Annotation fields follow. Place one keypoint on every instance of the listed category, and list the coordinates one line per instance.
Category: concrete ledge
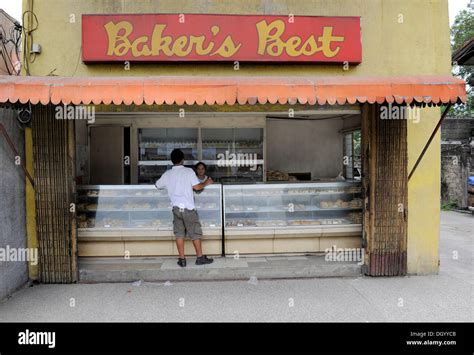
(165, 269)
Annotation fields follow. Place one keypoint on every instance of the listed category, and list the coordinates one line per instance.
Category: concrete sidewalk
(447, 297)
(228, 268)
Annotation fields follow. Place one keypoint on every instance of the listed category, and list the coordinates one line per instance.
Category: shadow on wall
(13, 272)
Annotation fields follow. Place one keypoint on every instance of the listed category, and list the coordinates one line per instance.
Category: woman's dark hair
(177, 156)
(200, 163)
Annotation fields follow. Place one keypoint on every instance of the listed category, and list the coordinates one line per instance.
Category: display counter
(292, 217)
(118, 220)
(257, 218)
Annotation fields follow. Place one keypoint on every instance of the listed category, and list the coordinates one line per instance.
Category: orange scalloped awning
(190, 90)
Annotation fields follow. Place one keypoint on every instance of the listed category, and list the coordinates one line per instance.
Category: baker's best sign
(191, 37)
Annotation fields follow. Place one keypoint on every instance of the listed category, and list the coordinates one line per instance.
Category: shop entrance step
(245, 268)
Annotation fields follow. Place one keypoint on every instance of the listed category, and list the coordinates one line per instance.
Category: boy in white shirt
(180, 183)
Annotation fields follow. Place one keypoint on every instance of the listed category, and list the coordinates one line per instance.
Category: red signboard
(191, 37)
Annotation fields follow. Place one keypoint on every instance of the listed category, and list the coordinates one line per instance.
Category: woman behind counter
(200, 169)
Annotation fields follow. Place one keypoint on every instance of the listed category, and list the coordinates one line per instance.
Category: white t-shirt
(179, 182)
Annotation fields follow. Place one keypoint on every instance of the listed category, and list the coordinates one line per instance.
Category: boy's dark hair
(177, 156)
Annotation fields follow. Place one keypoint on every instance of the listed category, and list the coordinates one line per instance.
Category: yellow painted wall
(400, 37)
(424, 191)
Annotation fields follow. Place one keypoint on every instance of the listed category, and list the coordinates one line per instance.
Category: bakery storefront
(284, 176)
(301, 163)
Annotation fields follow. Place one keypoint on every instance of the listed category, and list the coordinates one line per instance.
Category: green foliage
(449, 206)
(462, 31)
(357, 139)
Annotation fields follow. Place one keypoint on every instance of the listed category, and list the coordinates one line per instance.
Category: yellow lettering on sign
(119, 45)
(179, 47)
(326, 39)
(227, 48)
(145, 50)
(160, 43)
(271, 43)
(199, 41)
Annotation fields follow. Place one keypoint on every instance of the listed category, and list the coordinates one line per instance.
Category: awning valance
(190, 90)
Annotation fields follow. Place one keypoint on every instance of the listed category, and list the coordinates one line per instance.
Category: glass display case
(140, 207)
(292, 205)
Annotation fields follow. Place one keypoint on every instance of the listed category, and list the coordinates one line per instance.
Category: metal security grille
(386, 193)
(53, 164)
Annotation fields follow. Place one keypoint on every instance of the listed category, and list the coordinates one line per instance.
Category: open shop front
(292, 199)
(284, 182)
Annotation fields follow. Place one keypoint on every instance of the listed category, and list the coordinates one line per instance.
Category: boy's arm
(202, 185)
(161, 182)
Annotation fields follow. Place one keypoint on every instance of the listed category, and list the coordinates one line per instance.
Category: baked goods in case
(356, 203)
(304, 222)
(332, 221)
(353, 190)
(355, 217)
(324, 204)
(91, 207)
(339, 203)
(270, 223)
(275, 175)
(93, 193)
(240, 223)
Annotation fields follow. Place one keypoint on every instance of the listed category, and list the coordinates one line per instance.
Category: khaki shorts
(186, 224)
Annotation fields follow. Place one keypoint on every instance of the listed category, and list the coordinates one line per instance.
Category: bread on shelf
(240, 223)
(275, 175)
(91, 207)
(92, 193)
(356, 203)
